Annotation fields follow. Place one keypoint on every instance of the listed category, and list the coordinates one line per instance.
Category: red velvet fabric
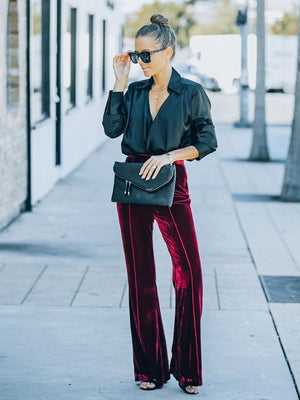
(148, 338)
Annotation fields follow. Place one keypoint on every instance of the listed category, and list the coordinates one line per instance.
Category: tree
(192, 2)
(291, 182)
(223, 22)
(180, 19)
(287, 25)
(259, 149)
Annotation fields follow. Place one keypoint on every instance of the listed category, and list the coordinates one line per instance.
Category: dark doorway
(28, 107)
(91, 56)
(103, 55)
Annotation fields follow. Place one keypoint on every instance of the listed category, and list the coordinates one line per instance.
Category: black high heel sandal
(183, 386)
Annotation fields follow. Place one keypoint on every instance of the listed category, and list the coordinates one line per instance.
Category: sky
(280, 5)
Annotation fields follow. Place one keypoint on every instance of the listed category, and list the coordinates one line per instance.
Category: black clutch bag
(129, 187)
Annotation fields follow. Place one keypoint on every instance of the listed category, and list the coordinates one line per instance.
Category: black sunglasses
(145, 55)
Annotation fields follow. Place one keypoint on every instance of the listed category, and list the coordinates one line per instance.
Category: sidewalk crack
(2, 267)
(79, 286)
(34, 283)
(217, 289)
(122, 295)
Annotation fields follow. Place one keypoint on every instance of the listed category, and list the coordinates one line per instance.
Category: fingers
(156, 171)
(152, 166)
(122, 59)
(145, 165)
(148, 168)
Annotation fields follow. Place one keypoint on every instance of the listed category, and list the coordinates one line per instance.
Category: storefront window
(69, 71)
(40, 67)
(90, 56)
(12, 55)
(103, 55)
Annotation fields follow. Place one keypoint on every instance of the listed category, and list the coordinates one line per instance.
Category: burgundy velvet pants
(148, 339)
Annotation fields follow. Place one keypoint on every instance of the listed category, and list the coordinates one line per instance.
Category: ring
(153, 166)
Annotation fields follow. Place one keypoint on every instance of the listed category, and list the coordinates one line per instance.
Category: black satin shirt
(183, 119)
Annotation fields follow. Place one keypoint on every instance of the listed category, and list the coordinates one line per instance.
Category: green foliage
(223, 22)
(192, 2)
(181, 21)
(287, 25)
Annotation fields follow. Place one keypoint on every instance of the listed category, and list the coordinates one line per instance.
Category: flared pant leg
(150, 355)
(177, 227)
(149, 345)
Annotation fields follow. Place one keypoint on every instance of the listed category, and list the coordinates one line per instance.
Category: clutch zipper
(127, 188)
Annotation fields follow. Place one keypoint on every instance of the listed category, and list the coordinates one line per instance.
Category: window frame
(45, 20)
(90, 75)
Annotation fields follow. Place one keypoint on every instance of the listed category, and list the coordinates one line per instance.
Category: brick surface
(13, 153)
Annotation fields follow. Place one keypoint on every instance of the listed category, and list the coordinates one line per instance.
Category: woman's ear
(169, 52)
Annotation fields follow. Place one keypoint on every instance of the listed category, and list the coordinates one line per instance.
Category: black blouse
(183, 119)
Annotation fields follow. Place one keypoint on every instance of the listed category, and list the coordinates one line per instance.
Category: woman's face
(159, 60)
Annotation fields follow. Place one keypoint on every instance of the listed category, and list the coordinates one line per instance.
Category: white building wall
(81, 128)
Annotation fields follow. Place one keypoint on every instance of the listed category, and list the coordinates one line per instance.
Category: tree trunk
(259, 150)
(291, 183)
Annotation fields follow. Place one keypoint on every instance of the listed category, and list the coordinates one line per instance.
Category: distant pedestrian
(164, 119)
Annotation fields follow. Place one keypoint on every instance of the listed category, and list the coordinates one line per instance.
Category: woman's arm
(186, 153)
(153, 165)
(114, 117)
(115, 113)
(202, 133)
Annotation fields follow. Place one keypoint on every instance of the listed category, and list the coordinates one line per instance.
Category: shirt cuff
(114, 102)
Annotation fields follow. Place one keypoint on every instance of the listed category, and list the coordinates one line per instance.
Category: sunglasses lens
(134, 57)
(145, 56)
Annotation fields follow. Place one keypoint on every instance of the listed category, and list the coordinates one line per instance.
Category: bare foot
(147, 385)
(189, 388)
(192, 389)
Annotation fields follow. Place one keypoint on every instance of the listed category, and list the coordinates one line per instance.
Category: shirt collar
(175, 83)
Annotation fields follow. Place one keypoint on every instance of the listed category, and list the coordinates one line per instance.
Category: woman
(164, 119)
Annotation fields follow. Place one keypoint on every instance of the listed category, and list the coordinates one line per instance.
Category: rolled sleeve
(202, 134)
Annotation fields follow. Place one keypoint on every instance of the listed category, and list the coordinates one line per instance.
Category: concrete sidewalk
(64, 319)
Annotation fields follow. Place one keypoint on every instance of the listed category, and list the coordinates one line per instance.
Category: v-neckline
(149, 108)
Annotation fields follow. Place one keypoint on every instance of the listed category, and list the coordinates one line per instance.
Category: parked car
(192, 77)
(208, 82)
(192, 72)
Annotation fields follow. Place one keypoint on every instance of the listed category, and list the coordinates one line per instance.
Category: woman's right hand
(121, 66)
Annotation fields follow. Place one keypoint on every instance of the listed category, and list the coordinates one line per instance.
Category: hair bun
(160, 20)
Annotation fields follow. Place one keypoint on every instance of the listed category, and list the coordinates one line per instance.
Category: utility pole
(242, 22)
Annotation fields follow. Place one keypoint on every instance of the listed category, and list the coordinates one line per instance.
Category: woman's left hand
(153, 165)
